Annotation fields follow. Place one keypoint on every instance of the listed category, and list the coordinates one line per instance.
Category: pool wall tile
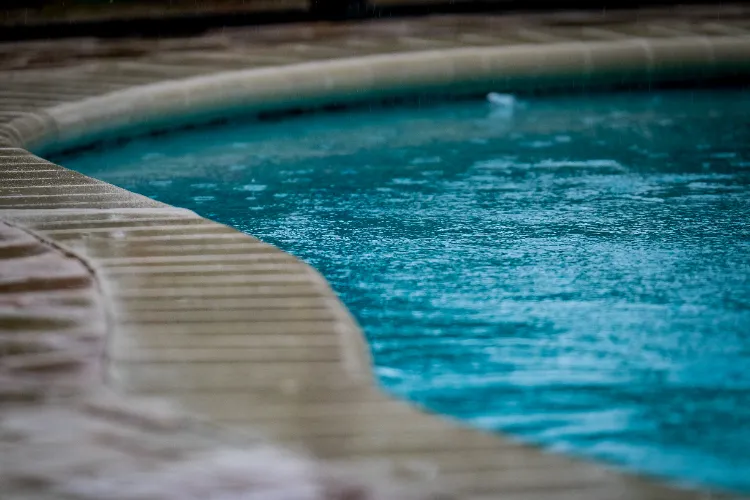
(472, 66)
(516, 64)
(351, 80)
(628, 60)
(732, 52)
(679, 58)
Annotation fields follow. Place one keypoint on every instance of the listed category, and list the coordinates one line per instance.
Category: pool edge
(540, 67)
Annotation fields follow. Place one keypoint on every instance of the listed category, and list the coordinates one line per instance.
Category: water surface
(576, 273)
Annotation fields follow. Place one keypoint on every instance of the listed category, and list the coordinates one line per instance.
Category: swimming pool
(575, 273)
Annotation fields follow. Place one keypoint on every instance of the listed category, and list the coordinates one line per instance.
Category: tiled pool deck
(177, 306)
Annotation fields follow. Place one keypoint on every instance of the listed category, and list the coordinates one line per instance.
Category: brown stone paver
(51, 319)
(234, 329)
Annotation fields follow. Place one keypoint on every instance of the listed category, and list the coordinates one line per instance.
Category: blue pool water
(575, 273)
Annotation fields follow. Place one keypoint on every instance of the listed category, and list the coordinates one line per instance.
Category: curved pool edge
(516, 68)
(303, 378)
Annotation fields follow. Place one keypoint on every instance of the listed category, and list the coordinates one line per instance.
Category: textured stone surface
(52, 322)
(63, 435)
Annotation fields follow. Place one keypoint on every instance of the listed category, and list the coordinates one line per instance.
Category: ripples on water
(577, 274)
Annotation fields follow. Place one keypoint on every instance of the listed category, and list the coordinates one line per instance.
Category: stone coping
(516, 68)
(239, 332)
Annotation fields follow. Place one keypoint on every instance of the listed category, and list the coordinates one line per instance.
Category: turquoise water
(576, 273)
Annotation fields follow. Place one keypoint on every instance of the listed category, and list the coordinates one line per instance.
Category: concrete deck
(231, 328)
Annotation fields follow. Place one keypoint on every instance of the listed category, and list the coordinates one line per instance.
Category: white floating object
(503, 100)
(502, 106)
